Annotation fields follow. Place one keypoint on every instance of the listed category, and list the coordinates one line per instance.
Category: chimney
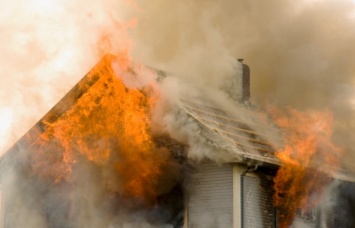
(245, 82)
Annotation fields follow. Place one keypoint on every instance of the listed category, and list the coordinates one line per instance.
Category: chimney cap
(240, 60)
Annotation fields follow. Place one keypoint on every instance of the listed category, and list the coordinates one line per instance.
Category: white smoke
(45, 48)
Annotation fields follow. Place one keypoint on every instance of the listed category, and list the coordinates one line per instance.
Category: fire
(109, 127)
(309, 148)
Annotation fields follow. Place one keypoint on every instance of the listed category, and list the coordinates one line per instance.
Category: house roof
(246, 140)
(249, 140)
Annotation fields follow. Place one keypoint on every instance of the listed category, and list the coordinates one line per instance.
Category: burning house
(62, 173)
(91, 161)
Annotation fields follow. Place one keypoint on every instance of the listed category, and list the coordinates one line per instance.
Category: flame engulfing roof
(65, 104)
(246, 139)
(93, 155)
(249, 138)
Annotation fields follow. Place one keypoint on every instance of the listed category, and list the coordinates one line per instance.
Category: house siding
(210, 196)
(257, 205)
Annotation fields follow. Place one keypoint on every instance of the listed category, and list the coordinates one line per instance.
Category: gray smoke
(300, 52)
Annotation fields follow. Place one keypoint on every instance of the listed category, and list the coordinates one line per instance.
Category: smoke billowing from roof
(300, 52)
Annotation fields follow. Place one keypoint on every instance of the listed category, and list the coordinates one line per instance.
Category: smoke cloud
(300, 52)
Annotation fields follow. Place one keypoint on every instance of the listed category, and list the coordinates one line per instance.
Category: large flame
(108, 126)
(46, 47)
(309, 148)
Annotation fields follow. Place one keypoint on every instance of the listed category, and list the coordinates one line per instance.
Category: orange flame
(108, 126)
(298, 183)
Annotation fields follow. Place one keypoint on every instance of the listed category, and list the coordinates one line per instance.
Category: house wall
(257, 210)
(253, 206)
(227, 196)
(210, 196)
